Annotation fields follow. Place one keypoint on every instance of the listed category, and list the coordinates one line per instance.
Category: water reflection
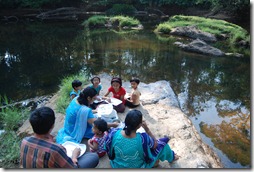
(34, 58)
(213, 91)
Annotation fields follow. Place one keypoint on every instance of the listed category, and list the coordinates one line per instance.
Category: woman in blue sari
(79, 118)
(128, 149)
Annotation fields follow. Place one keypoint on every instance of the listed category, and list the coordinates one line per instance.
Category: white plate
(104, 109)
(70, 146)
(115, 101)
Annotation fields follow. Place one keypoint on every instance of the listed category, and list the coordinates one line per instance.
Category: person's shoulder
(25, 139)
(137, 92)
(72, 92)
(56, 147)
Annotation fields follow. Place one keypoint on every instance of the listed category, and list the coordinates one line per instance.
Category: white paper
(115, 101)
(70, 146)
(140, 130)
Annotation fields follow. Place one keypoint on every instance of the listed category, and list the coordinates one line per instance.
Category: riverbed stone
(163, 115)
(199, 46)
(194, 33)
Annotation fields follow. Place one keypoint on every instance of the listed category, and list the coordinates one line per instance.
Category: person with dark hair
(118, 92)
(96, 84)
(96, 144)
(133, 100)
(128, 148)
(40, 151)
(77, 86)
(79, 118)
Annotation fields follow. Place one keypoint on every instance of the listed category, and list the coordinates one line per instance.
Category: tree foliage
(230, 5)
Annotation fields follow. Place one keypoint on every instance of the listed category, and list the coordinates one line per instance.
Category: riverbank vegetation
(234, 32)
(11, 119)
(117, 21)
(65, 89)
(239, 9)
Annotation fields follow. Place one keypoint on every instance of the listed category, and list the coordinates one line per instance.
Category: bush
(65, 89)
(213, 26)
(12, 118)
(119, 21)
(125, 21)
(121, 9)
(96, 21)
(10, 150)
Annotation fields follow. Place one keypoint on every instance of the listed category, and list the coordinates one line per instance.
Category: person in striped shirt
(40, 151)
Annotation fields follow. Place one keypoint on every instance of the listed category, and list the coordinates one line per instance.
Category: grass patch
(119, 20)
(10, 150)
(65, 89)
(125, 21)
(11, 118)
(213, 26)
(96, 21)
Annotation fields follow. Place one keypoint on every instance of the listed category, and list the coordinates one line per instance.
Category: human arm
(114, 124)
(73, 96)
(94, 111)
(62, 160)
(106, 98)
(122, 97)
(148, 131)
(75, 155)
(107, 93)
(93, 144)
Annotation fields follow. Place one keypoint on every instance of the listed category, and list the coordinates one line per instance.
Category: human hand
(116, 124)
(90, 142)
(109, 100)
(76, 152)
(75, 155)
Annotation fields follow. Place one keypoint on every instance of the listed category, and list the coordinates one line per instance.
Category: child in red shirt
(118, 92)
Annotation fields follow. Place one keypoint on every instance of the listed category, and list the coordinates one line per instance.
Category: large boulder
(194, 33)
(199, 46)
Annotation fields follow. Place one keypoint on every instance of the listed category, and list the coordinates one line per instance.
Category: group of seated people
(131, 100)
(125, 147)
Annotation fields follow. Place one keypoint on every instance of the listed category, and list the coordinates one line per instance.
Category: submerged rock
(199, 46)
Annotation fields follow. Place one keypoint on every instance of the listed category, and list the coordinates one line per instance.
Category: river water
(213, 91)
